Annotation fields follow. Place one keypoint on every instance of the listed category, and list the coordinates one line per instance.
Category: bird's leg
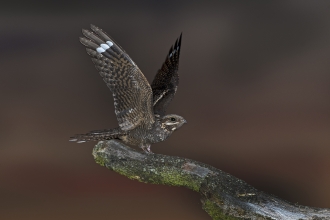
(146, 148)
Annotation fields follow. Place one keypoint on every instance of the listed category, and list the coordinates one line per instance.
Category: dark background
(255, 88)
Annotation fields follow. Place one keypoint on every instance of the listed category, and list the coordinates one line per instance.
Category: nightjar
(139, 108)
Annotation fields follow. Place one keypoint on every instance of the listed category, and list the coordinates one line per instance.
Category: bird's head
(172, 122)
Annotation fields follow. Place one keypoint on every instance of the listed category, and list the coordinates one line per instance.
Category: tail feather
(98, 135)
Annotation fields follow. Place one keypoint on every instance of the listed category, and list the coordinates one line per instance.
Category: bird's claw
(146, 149)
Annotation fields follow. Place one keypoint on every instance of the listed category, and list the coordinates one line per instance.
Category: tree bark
(223, 196)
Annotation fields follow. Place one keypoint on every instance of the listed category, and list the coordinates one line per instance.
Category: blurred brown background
(255, 88)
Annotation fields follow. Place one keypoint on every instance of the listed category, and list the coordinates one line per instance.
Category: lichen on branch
(223, 196)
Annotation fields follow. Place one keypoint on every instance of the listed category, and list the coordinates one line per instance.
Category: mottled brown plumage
(139, 108)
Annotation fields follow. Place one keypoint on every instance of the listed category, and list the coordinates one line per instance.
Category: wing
(166, 80)
(131, 91)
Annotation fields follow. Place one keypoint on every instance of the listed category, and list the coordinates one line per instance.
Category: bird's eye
(173, 119)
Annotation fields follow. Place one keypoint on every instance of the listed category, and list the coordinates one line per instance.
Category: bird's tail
(99, 135)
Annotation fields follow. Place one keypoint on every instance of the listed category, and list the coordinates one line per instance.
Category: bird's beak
(185, 122)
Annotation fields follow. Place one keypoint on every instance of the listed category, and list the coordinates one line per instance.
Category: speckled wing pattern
(131, 91)
(166, 81)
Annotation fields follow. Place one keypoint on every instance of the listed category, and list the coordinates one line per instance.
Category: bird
(140, 108)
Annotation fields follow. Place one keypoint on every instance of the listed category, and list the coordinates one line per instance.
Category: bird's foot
(146, 149)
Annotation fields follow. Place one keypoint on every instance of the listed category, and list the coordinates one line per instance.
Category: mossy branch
(223, 196)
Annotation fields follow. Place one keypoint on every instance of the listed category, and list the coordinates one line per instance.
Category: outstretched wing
(131, 91)
(166, 80)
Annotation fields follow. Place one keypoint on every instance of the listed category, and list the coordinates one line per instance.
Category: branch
(223, 196)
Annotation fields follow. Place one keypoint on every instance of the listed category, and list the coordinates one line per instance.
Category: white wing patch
(100, 50)
(104, 47)
(109, 43)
